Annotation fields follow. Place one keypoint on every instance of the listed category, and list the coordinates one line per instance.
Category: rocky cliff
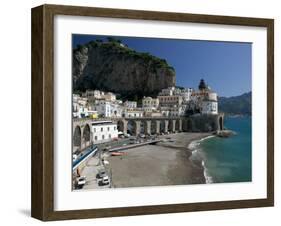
(112, 66)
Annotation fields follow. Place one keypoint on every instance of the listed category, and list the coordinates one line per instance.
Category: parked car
(105, 180)
(105, 162)
(74, 157)
(80, 182)
(101, 174)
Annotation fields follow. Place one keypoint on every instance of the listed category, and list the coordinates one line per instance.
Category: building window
(109, 136)
(108, 128)
(95, 130)
(96, 137)
(114, 127)
(101, 129)
(103, 137)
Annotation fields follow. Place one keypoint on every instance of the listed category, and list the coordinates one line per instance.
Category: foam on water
(208, 178)
(198, 155)
(229, 159)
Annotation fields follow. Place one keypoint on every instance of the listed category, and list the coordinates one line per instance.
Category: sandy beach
(166, 163)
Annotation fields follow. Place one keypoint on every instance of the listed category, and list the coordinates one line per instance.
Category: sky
(225, 66)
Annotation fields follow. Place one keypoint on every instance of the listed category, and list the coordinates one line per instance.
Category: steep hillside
(112, 66)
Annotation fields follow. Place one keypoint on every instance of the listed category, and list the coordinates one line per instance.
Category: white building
(135, 113)
(107, 109)
(186, 94)
(167, 92)
(80, 106)
(173, 91)
(130, 105)
(206, 99)
(170, 101)
(210, 103)
(209, 107)
(150, 104)
(104, 131)
(109, 96)
(173, 111)
(93, 95)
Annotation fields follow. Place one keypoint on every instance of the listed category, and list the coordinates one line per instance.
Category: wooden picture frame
(42, 203)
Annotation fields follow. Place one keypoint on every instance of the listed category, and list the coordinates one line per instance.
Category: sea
(227, 159)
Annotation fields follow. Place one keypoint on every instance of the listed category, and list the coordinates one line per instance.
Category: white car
(74, 157)
(80, 181)
(105, 162)
(105, 180)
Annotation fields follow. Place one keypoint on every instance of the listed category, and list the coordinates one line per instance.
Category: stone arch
(220, 123)
(213, 126)
(170, 126)
(142, 127)
(162, 126)
(131, 127)
(77, 137)
(153, 129)
(177, 127)
(120, 125)
(189, 125)
(86, 135)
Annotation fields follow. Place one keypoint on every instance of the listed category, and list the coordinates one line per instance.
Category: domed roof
(202, 85)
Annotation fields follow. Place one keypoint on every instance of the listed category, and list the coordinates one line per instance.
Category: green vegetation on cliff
(113, 66)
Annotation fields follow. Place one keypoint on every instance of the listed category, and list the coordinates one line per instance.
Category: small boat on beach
(120, 153)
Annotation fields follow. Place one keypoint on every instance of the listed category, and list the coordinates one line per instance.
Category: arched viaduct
(82, 131)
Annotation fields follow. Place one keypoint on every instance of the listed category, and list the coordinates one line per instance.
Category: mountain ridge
(236, 105)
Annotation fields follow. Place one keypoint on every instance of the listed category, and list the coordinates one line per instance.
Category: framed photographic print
(141, 112)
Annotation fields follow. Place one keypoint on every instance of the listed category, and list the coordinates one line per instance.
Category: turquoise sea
(227, 159)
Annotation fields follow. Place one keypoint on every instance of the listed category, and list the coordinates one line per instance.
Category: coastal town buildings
(80, 106)
(205, 99)
(93, 95)
(107, 109)
(170, 102)
(109, 119)
(185, 93)
(133, 113)
(130, 105)
(209, 107)
(150, 104)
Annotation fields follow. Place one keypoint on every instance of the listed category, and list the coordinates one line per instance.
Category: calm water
(228, 159)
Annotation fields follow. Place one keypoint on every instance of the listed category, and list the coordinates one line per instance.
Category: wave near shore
(197, 155)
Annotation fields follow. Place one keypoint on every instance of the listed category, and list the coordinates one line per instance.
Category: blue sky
(225, 66)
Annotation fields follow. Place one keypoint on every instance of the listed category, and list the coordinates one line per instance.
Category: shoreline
(166, 163)
(193, 147)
